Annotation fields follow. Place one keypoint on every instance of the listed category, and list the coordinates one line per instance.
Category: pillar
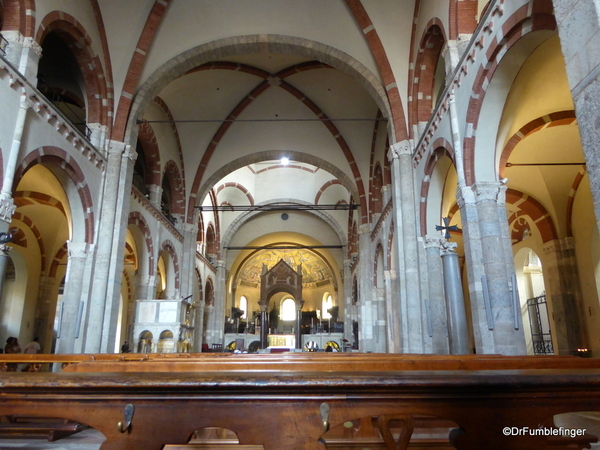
(458, 332)
(264, 324)
(199, 326)
(403, 197)
(578, 24)
(563, 292)
(436, 300)
(43, 329)
(70, 312)
(393, 319)
(348, 316)
(218, 322)
(367, 319)
(299, 304)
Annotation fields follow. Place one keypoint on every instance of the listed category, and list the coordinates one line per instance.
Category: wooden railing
(310, 401)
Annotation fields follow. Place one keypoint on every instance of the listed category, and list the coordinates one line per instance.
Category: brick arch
(462, 17)
(376, 197)
(430, 48)
(361, 16)
(128, 284)
(137, 219)
(76, 37)
(176, 184)
(554, 119)
(209, 292)
(534, 16)
(57, 260)
(160, 102)
(168, 246)
(19, 15)
(200, 287)
(57, 157)
(239, 187)
(38, 236)
(211, 240)
(571, 200)
(442, 148)
(151, 151)
(250, 97)
(529, 206)
(24, 198)
(325, 186)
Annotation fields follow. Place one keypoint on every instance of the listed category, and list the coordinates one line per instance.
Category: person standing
(33, 347)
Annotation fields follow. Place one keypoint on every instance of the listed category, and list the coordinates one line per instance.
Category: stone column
(393, 318)
(14, 49)
(563, 291)
(299, 305)
(199, 326)
(72, 306)
(209, 312)
(403, 195)
(113, 292)
(367, 318)
(30, 59)
(347, 300)
(98, 301)
(455, 302)
(436, 300)
(579, 30)
(218, 322)
(379, 312)
(499, 274)
(188, 266)
(264, 324)
(4, 258)
(44, 314)
(13, 157)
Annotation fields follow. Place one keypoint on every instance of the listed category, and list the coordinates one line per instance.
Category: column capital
(464, 196)
(449, 248)
(30, 42)
(115, 147)
(4, 250)
(489, 192)
(299, 305)
(77, 249)
(7, 208)
(129, 152)
(399, 149)
(365, 228)
(190, 228)
(433, 242)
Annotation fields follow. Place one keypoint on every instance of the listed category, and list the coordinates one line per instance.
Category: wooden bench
(29, 427)
(291, 401)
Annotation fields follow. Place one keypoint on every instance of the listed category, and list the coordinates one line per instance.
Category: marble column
(578, 23)
(45, 313)
(458, 331)
(563, 291)
(393, 318)
(367, 319)
(299, 304)
(11, 164)
(110, 340)
(264, 325)
(405, 220)
(436, 300)
(218, 322)
(70, 312)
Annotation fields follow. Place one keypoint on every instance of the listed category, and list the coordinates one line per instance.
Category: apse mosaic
(315, 272)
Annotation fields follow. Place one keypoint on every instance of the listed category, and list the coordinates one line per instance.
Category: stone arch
(223, 48)
(76, 37)
(137, 219)
(426, 63)
(168, 246)
(238, 186)
(209, 292)
(267, 156)
(376, 197)
(527, 20)
(442, 148)
(535, 210)
(58, 161)
(325, 186)
(147, 139)
(173, 176)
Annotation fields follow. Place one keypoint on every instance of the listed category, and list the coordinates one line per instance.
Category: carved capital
(116, 147)
(433, 242)
(365, 228)
(464, 196)
(129, 152)
(449, 248)
(299, 305)
(488, 192)
(30, 42)
(4, 249)
(398, 149)
(77, 249)
(7, 208)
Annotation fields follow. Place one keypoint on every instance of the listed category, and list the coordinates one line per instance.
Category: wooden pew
(280, 402)
(27, 427)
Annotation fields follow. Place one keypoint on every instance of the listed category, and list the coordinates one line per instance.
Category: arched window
(327, 304)
(244, 306)
(288, 309)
